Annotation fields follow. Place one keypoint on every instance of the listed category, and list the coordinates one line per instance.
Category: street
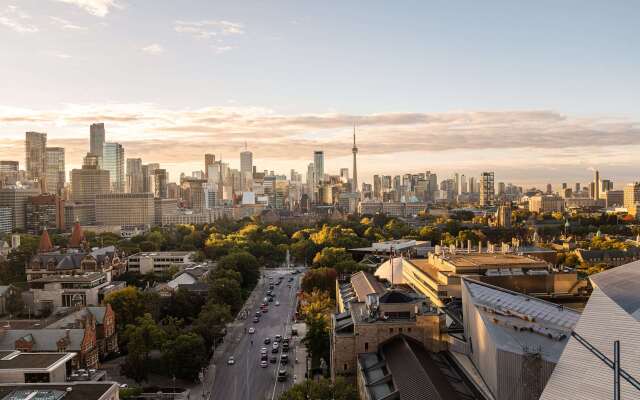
(246, 380)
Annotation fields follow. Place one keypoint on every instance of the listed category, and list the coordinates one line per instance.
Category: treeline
(184, 327)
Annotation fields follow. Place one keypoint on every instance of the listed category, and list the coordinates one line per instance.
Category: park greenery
(321, 390)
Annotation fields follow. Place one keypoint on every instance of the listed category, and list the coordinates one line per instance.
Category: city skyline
(553, 100)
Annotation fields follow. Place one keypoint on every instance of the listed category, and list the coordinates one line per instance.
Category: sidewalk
(299, 367)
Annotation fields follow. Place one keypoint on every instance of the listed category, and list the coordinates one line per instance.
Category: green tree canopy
(321, 390)
(330, 256)
(184, 356)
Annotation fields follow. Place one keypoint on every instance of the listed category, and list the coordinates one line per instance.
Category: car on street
(273, 359)
(290, 279)
(270, 299)
(294, 332)
(274, 350)
(258, 313)
(284, 359)
(278, 338)
(256, 320)
(285, 340)
(277, 283)
(267, 340)
(264, 364)
(282, 375)
(265, 310)
(289, 286)
(277, 303)
(231, 360)
(252, 330)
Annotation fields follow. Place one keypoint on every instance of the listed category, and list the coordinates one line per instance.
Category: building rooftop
(622, 285)
(57, 391)
(82, 278)
(491, 260)
(32, 361)
(520, 323)
(162, 254)
(404, 370)
(43, 339)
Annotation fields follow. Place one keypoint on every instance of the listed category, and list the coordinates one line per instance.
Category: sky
(537, 91)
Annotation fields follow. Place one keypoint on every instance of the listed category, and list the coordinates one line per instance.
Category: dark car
(282, 375)
(256, 320)
(270, 298)
(267, 340)
(273, 359)
(284, 359)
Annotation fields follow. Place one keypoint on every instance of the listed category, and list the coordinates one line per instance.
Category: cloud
(208, 29)
(98, 8)
(66, 25)
(535, 140)
(17, 20)
(57, 54)
(153, 49)
(222, 49)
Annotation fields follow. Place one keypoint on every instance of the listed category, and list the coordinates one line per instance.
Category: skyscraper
(147, 176)
(209, 160)
(96, 140)
(35, 157)
(487, 189)
(55, 172)
(134, 175)
(113, 161)
(246, 169)
(596, 182)
(632, 198)
(318, 166)
(88, 181)
(354, 150)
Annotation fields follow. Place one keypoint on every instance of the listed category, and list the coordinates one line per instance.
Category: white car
(263, 364)
(231, 360)
(277, 303)
(252, 330)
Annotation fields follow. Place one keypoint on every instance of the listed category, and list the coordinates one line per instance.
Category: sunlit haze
(539, 92)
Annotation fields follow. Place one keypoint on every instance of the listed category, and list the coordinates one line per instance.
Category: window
(390, 330)
(345, 367)
(400, 330)
(408, 329)
(366, 346)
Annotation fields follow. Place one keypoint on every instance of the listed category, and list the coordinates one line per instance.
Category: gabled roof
(77, 236)
(395, 297)
(622, 285)
(43, 339)
(364, 284)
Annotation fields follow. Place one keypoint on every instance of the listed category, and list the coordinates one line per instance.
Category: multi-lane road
(246, 379)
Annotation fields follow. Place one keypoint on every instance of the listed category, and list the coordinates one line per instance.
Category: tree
(323, 279)
(397, 229)
(317, 339)
(244, 263)
(141, 337)
(185, 305)
(14, 303)
(321, 390)
(211, 321)
(303, 250)
(185, 355)
(330, 256)
(130, 303)
(226, 291)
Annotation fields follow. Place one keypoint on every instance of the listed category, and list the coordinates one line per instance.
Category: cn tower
(355, 165)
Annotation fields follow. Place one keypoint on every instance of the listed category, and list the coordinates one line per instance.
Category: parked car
(252, 330)
(284, 359)
(231, 360)
(267, 340)
(264, 364)
(256, 320)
